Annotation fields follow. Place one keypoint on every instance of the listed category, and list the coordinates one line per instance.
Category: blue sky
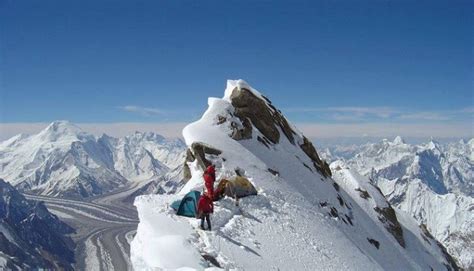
(321, 62)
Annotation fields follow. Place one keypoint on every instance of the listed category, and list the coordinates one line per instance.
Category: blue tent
(188, 205)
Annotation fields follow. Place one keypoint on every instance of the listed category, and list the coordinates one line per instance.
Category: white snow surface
(287, 226)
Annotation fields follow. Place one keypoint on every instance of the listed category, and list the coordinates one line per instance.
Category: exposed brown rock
(363, 194)
(243, 133)
(389, 218)
(199, 151)
(247, 105)
(186, 171)
(263, 115)
(319, 164)
(349, 219)
(274, 172)
(334, 212)
(211, 259)
(221, 119)
(374, 242)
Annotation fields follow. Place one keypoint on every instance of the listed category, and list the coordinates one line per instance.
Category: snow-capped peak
(398, 140)
(239, 84)
(471, 143)
(433, 145)
(63, 126)
(64, 130)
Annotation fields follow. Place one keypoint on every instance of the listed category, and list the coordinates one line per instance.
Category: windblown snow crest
(301, 218)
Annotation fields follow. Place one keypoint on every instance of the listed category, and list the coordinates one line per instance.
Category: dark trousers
(208, 219)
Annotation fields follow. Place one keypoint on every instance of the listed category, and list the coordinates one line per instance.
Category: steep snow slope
(300, 220)
(431, 182)
(62, 160)
(30, 236)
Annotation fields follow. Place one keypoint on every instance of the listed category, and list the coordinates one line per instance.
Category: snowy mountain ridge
(301, 219)
(432, 182)
(62, 160)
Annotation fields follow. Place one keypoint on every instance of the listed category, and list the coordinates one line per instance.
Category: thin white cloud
(425, 116)
(379, 111)
(145, 111)
(349, 112)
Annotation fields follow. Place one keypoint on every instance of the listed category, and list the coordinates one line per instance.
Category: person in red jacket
(205, 208)
(209, 179)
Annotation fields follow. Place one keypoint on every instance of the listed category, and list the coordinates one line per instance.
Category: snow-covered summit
(63, 130)
(301, 219)
(398, 140)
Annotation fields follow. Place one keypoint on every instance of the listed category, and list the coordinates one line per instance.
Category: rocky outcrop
(198, 152)
(186, 170)
(242, 133)
(389, 218)
(263, 115)
(319, 164)
(269, 121)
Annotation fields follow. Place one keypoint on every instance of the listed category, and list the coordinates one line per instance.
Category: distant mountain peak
(62, 125)
(471, 142)
(398, 140)
(433, 145)
(59, 129)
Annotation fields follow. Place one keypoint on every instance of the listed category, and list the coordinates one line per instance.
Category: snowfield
(301, 219)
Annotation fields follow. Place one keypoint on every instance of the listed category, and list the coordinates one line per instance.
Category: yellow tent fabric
(236, 187)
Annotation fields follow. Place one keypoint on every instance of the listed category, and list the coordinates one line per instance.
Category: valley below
(104, 227)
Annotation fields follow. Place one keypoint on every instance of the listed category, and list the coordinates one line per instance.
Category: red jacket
(205, 205)
(209, 179)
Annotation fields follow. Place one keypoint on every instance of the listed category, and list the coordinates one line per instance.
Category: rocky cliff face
(30, 236)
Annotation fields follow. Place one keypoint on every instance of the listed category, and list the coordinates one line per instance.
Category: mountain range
(431, 182)
(64, 161)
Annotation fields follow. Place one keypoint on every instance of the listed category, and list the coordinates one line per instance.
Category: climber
(209, 179)
(205, 208)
